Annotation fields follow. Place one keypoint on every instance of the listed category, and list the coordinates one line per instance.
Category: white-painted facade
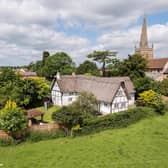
(120, 101)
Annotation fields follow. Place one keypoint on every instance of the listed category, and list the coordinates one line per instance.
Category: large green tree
(87, 67)
(103, 57)
(135, 66)
(61, 62)
(25, 92)
(144, 84)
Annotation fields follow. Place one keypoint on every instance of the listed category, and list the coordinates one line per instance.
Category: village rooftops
(158, 63)
(103, 88)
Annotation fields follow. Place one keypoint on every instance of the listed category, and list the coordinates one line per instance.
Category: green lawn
(47, 114)
(144, 144)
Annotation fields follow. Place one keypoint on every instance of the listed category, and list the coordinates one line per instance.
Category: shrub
(87, 104)
(151, 99)
(116, 120)
(7, 142)
(12, 120)
(68, 116)
(35, 136)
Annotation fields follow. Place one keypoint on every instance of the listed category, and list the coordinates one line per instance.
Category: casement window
(116, 105)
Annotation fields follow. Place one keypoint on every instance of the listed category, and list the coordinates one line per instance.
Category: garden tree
(88, 67)
(38, 68)
(68, 116)
(58, 62)
(87, 104)
(134, 67)
(104, 57)
(164, 87)
(12, 119)
(25, 92)
(144, 84)
(113, 68)
(8, 75)
(46, 54)
(29, 93)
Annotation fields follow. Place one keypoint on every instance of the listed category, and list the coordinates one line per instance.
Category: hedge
(116, 120)
(35, 136)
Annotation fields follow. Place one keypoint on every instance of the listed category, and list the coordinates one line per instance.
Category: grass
(48, 113)
(141, 145)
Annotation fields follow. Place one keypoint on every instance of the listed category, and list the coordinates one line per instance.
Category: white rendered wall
(132, 100)
(104, 108)
(68, 98)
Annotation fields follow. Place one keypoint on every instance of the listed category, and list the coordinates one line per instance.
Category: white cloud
(27, 27)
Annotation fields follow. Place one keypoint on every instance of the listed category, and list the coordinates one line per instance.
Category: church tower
(144, 49)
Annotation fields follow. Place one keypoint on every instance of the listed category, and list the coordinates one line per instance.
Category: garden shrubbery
(7, 142)
(35, 136)
(117, 120)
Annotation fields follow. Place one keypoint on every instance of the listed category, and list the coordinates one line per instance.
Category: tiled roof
(157, 63)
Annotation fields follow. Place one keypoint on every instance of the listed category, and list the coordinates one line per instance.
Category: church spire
(144, 37)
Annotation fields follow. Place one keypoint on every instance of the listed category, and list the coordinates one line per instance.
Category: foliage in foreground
(35, 136)
(7, 142)
(152, 99)
(116, 120)
(70, 116)
(12, 119)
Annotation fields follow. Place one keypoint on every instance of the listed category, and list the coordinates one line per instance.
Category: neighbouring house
(158, 69)
(25, 73)
(114, 94)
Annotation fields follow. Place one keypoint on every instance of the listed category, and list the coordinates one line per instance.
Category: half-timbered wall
(56, 95)
(120, 102)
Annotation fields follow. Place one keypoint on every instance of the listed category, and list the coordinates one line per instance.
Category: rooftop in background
(25, 73)
(158, 63)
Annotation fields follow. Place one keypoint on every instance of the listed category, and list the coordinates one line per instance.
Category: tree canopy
(103, 57)
(61, 62)
(134, 67)
(25, 92)
(87, 67)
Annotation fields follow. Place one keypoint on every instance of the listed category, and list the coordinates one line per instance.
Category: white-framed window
(116, 105)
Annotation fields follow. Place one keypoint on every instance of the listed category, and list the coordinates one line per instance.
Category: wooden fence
(45, 127)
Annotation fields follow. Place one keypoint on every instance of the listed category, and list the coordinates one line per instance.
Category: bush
(152, 99)
(68, 116)
(116, 120)
(35, 136)
(7, 142)
(12, 120)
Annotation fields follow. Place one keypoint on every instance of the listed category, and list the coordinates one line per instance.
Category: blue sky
(78, 27)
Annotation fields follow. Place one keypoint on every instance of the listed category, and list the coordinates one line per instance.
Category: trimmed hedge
(35, 136)
(116, 120)
(7, 142)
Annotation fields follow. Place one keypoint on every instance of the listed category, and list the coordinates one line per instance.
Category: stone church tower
(144, 49)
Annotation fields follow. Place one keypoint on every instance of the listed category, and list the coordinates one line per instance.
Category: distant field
(142, 145)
